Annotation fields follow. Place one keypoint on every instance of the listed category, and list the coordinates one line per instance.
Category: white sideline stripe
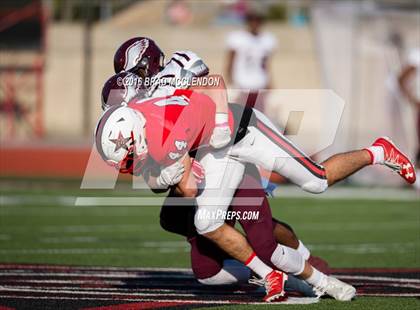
(94, 268)
(76, 251)
(77, 239)
(96, 275)
(79, 251)
(382, 225)
(78, 292)
(138, 290)
(283, 191)
(158, 201)
(182, 246)
(363, 248)
(80, 229)
(351, 193)
(391, 295)
(110, 282)
(400, 281)
(186, 276)
(289, 301)
(403, 280)
(111, 290)
(48, 200)
(416, 286)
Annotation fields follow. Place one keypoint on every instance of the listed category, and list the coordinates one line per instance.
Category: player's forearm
(216, 92)
(403, 81)
(221, 133)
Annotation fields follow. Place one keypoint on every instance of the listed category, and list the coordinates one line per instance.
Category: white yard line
(385, 279)
(24, 268)
(283, 191)
(390, 294)
(92, 275)
(181, 247)
(85, 292)
(289, 301)
(351, 193)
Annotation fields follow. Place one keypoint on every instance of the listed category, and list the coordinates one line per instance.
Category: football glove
(170, 175)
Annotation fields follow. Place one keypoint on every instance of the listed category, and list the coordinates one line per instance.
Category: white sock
(303, 250)
(317, 278)
(287, 259)
(377, 154)
(257, 266)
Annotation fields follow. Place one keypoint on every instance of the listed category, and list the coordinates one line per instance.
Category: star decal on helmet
(120, 142)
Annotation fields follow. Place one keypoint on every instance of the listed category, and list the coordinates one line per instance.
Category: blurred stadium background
(55, 56)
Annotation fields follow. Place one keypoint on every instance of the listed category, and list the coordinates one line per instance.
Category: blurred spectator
(178, 12)
(248, 56)
(232, 12)
(409, 81)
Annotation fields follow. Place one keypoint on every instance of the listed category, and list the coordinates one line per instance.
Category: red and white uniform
(176, 124)
(184, 122)
(179, 121)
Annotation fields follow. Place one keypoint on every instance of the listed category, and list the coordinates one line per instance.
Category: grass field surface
(41, 226)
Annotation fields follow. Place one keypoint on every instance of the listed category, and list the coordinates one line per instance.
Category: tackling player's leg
(265, 146)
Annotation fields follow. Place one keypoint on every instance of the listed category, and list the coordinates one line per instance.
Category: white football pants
(265, 146)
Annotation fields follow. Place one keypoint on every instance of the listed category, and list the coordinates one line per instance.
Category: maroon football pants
(206, 257)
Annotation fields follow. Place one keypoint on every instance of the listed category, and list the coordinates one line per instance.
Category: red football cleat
(274, 286)
(396, 160)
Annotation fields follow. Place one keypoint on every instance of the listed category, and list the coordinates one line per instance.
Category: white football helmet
(120, 138)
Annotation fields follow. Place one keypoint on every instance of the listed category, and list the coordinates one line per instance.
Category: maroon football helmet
(139, 55)
(121, 88)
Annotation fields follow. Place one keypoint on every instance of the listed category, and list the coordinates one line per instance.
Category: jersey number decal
(180, 145)
(173, 155)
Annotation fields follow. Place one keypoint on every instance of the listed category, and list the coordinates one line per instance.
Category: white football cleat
(337, 289)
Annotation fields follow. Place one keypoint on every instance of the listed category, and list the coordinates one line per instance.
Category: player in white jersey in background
(409, 82)
(248, 56)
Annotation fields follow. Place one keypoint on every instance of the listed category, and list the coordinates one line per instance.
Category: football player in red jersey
(271, 149)
(180, 123)
(207, 262)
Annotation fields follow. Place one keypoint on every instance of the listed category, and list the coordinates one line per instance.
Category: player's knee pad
(287, 259)
(315, 186)
(205, 222)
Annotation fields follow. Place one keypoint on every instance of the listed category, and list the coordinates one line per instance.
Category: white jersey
(413, 59)
(250, 52)
(177, 73)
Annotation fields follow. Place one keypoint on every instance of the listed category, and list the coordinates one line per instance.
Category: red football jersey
(177, 124)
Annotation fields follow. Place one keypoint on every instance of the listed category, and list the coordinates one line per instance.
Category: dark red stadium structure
(22, 47)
